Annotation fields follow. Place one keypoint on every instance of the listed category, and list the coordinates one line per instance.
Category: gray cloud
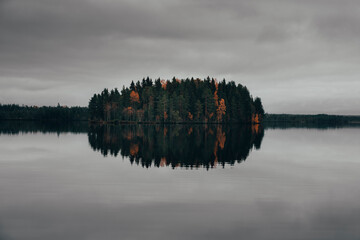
(71, 49)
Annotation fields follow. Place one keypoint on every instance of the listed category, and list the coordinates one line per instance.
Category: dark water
(178, 182)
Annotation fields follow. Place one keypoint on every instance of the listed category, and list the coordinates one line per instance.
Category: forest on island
(185, 100)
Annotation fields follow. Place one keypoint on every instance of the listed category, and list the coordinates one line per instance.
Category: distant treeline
(185, 100)
(315, 120)
(59, 113)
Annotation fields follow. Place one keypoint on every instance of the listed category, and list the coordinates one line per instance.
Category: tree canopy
(185, 100)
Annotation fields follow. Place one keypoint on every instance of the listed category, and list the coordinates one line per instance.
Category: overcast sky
(299, 56)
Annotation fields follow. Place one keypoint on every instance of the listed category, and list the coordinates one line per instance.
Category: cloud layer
(298, 56)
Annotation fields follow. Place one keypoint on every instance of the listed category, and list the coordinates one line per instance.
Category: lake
(178, 182)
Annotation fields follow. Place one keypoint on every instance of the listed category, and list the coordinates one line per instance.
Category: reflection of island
(177, 145)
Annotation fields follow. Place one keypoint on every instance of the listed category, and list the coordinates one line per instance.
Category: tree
(198, 110)
(209, 104)
(221, 110)
(258, 106)
(134, 97)
(92, 106)
(163, 108)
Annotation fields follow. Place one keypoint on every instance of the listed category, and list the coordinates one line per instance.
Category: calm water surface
(179, 183)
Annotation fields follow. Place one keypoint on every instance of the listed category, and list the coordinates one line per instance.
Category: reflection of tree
(177, 145)
(17, 127)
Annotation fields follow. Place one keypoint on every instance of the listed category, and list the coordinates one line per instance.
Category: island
(177, 101)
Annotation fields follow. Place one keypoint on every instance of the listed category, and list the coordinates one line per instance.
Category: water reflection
(303, 183)
(177, 145)
(17, 127)
(316, 125)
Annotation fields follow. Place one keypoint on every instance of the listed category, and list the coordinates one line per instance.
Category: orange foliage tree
(163, 83)
(220, 105)
(221, 109)
(134, 97)
(216, 97)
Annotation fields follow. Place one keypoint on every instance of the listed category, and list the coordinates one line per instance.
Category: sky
(298, 56)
